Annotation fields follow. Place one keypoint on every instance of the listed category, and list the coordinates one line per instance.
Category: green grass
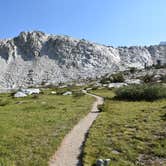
(32, 128)
(129, 133)
(106, 93)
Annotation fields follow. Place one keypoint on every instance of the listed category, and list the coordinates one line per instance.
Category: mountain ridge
(35, 58)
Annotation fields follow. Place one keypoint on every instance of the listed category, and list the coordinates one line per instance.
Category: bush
(148, 78)
(105, 80)
(78, 94)
(100, 107)
(3, 102)
(60, 91)
(163, 78)
(133, 70)
(35, 96)
(117, 77)
(159, 66)
(141, 92)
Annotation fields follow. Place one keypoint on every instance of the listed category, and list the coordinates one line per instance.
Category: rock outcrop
(35, 58)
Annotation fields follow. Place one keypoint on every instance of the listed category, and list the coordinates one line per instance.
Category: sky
(110, 22)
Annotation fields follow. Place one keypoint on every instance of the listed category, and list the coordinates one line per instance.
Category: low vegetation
(147, 78)
(141, 92)
(133, 70)
(118, 77)
(104, 92)
(128, 132)
(32, 128)
(159, 66)
(114, 78)
(163, 78)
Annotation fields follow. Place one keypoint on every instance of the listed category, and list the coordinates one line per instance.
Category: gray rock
(20, 94)
(84, 91)
(63, 86)
(100, 162)
(30, 91)
(105, 85)
(107, 162)
(133, 81)
(67, 93)
(115, 152)
(53, 92)
(88, 89)
(116, 85)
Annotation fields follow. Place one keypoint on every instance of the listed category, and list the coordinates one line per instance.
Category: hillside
(35, 58)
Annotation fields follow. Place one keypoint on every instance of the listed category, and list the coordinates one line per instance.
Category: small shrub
(101, 108)
(105, 80)
(51, 86)
(78, 94)
(94, 88)
(141, 92)
(60, 91)
(148, 78)
(3, 102)
(118, 77)
(163, 78)
(35, 96)
(132, 70)
(159, 66)
(164, 117)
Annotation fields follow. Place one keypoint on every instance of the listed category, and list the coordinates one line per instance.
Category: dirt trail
(70, 149)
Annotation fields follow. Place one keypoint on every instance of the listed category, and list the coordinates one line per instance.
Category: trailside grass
(32, 128)
(104, 92)
(128, 133)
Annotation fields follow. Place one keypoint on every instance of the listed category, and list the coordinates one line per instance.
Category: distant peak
(163, 43)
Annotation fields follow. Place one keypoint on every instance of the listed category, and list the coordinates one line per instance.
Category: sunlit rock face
(35, 58)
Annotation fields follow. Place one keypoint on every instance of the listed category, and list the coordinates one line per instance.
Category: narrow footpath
(70, 149)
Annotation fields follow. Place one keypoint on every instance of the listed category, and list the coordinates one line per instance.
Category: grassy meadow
(128, 132)
(32, 128)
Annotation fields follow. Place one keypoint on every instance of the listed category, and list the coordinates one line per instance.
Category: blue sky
(111, 22)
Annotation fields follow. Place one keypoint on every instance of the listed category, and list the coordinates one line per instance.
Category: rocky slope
(35, 58)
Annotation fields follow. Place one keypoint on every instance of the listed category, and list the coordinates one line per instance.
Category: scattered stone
(157, 78)
(63, 86)
(96, 85)
(26, 92)
(107, 162)
(84, 91)
(67, 93)
(20, 94)
(80, 84)
(133, 81)
(88, 89)
(115, 152)
(105, 85)
(100, 162)
(30, 91)
(150, 160)
(117, 85)
(53, 92)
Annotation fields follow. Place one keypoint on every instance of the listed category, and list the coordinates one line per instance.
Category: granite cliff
(35, 58)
